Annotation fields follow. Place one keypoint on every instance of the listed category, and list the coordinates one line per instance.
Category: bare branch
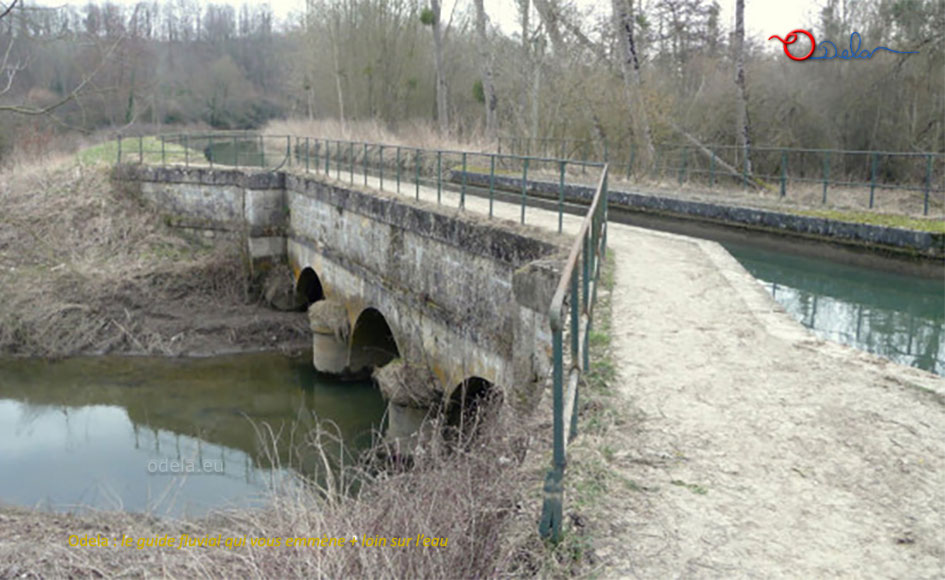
(8, 9)
(34, 111)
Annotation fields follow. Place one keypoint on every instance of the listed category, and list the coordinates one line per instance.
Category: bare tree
(630, 66)
(741, 99)
(442, 108)
(485, 58)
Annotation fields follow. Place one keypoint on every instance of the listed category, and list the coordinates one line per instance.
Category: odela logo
(853, 54)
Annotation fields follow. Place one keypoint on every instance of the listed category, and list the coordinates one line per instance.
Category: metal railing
(589, 250)
(800, 172)
(406, 170)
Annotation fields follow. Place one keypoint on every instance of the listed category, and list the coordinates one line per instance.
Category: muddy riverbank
(85, 269)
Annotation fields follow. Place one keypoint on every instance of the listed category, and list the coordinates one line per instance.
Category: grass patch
(878, 219)
(150, 148)
(591, 477)
(693, 487)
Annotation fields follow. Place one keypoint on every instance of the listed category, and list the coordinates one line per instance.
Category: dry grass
(416, 133)
(80, 261)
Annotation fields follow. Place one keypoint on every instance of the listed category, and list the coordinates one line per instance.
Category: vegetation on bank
(87, 268)
(933, 225)
(147, 150)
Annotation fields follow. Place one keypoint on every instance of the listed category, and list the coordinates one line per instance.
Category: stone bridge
(441, 299)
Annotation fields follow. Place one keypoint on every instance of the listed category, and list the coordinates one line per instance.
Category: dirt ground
(758, 449)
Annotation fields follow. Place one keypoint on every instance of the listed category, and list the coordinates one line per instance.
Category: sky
(763, 17)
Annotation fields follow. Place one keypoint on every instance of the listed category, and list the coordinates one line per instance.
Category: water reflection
(167, 436)
(896, 316)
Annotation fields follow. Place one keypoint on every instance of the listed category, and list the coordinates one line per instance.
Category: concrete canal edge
(891, 241)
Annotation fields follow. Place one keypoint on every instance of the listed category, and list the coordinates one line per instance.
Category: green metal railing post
(439, 175)
(262, 152)
(783, 172)
(928, 182)
(141, 149)
(712, 169)
(186, 151)
(747, 152)
(210, 150)
(327, 158)
(826, 175)
(630, 164)
(560, 195)
(551, 512)
(416, 174)
(491, 183)
(603, 242)
(462, 191)
(119, 149)
(307, 153)
(351, 162)
(398, 169)
(873, 162)
(586, 281)
(575, 319)
(524, 186)
(683, 169)
(380, 168)
(584, 159)
(364, 162)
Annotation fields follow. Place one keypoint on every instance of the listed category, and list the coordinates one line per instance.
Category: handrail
(589, 247)
(787, 170)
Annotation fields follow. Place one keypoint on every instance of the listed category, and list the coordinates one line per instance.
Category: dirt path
(766, 451)
(756, 449)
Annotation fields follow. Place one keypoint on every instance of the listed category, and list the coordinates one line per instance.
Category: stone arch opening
(372, 342)
(471, 406)
(308, 289)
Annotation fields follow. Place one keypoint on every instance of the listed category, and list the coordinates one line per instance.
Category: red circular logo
(791, 38)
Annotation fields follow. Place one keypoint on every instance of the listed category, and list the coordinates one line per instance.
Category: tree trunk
(741, 99)
(536, 98)
(711, 155)
(630, 66)
(523, 8)
(485, 57)
(442, 111)
(333, 38)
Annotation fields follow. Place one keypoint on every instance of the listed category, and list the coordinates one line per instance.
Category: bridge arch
(471, 404)
(372, 342)
(308, 288)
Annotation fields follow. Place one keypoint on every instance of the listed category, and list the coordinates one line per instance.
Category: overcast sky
(763, 17)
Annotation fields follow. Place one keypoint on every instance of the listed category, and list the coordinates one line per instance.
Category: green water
(241, 151)
(168, 436)
(896, 316)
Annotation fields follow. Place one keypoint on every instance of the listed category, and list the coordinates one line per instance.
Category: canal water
(246, 151)
(897, 316)
(168, 436)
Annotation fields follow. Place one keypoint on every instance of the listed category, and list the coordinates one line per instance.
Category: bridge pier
(408, 427)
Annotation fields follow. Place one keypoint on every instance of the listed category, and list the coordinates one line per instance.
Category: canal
(174, 437)
(897, 316)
